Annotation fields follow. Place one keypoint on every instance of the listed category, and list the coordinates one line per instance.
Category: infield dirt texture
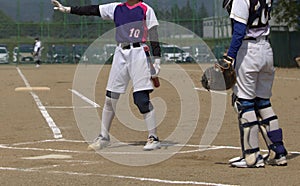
(30, 155)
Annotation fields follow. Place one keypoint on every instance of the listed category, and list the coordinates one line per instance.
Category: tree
(7, 26)
(201, 14)
(287, 11)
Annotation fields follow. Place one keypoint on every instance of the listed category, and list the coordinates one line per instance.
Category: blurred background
(65, 37)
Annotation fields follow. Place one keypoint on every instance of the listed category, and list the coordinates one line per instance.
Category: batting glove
(60, 7)
(156, 66)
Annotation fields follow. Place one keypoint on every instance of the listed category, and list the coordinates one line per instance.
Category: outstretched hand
(58, 6)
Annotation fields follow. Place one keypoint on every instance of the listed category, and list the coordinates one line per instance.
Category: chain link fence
(68, 35)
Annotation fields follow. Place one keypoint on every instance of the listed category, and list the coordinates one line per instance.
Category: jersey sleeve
(107, 10)
(151, 19)
(239, 11)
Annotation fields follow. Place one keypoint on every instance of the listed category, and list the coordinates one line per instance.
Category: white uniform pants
(254, 69)
(129, 64)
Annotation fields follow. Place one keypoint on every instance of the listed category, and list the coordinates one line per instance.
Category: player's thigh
(247, 72)
(118, 76)
(139, 70)
(266, 74)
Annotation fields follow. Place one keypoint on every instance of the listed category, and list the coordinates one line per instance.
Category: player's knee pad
(244, 105)
(112, 95)
(261, 103)
(142, 101)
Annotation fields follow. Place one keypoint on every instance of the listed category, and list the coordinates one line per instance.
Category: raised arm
(90, 10)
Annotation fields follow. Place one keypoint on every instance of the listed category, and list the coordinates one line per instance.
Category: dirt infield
(32, 153)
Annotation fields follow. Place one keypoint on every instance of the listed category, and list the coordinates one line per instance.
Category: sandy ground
(31, 155)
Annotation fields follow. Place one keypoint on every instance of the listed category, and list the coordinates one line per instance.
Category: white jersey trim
(238, 12)
(107, 10)
(151, 19)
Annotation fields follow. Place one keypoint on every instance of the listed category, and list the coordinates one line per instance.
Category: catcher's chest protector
(259, 13)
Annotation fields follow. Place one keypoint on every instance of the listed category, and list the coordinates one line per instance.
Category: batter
(135, 22)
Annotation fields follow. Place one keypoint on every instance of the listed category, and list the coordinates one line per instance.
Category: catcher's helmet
(227, 4)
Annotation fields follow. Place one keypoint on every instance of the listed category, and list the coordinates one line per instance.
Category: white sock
(108, 114)
(150, 120)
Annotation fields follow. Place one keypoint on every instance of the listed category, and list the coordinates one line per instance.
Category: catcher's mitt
(216, 78)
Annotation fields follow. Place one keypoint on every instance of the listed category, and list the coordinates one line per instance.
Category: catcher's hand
(225, 63)
(60, 7)
(221, 76)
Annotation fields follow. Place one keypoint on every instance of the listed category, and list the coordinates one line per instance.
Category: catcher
(251, 55)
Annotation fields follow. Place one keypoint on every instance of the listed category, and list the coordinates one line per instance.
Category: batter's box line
(141, 179)
(46, 141)
(70, 107)
(199, 147)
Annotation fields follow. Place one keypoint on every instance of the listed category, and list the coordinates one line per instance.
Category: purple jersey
(132, 22)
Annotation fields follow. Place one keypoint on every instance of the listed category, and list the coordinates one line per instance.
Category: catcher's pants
(129, 64)
(255, 70)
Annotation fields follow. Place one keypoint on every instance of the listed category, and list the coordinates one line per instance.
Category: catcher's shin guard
(272, 138)
(248, 127)
(264, 128)
(250, 154)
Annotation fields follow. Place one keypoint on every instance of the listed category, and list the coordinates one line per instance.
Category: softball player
(252, 56)
(134, 21)
(37, 52)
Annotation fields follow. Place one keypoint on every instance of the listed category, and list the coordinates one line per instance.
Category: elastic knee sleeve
(110, 104)
(112, 95)
(142, 101)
